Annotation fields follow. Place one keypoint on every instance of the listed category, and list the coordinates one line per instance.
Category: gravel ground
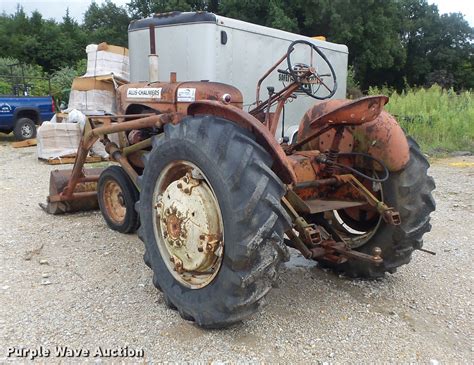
(71, 281)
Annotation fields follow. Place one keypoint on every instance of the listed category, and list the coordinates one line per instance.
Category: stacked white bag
(104, 59)
(92, 94)
(107, 68)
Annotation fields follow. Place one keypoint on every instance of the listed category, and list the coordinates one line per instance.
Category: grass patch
(440, 120)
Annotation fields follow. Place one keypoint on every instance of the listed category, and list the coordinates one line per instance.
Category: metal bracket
(311, 244)
(389, 214)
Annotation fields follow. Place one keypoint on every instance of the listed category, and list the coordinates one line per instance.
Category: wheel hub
(174, 226)
(189, 222)
(26, 131)
(114, 201)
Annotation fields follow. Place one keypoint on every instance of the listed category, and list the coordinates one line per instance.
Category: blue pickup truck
(21, 114)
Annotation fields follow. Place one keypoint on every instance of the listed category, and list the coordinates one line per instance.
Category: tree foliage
(391, 42)
(106, 22)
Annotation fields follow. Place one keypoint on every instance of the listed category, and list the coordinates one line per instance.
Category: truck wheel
(117, 197)
(25, 128)
(211, 220)
(409, 192)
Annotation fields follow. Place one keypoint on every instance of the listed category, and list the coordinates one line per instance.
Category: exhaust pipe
(153, 74)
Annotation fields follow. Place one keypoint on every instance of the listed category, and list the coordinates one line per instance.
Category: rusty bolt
(165, 234)
(186, 190)
(178, 266)
(376, 252)
(172, 258)
(202, 237)
(179, 185)
(200, 249)
(212, 246)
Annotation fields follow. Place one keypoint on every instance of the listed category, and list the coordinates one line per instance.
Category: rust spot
(173, 226)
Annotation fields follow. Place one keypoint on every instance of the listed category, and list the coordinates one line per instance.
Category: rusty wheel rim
(114, 201)
(188, 224)
(346, 225)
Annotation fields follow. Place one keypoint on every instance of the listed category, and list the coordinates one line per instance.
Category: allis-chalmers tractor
(218, 201)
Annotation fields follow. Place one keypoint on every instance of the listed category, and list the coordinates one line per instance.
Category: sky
(57, 8)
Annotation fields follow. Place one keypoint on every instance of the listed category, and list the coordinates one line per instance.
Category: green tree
(439, 48)
(106, 22)
(272, 13)
(73, 38)
(370, 29)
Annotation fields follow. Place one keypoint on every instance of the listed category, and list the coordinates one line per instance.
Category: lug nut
(179, 185)
(376, 252)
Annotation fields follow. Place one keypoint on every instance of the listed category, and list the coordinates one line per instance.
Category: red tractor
(217, 200)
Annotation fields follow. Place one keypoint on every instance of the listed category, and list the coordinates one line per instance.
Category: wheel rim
(188, 225)
(26, 131)
(355, 233)
(114, 201)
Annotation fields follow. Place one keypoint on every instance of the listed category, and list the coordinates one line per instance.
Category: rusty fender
(263, 136)
(381, 137)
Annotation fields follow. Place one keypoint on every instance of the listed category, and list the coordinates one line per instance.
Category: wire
(357, 172)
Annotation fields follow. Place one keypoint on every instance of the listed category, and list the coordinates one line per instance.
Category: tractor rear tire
(248, 194)
(409, 192)
(117, 196)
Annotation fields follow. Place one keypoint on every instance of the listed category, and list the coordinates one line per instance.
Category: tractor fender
(382, 137)
(262, 135)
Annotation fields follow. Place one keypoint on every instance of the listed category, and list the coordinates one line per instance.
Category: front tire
(117, 196)
(237, 172)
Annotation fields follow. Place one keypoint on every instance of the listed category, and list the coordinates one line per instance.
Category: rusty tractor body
(218, 200)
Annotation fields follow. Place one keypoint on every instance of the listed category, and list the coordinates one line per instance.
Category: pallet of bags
(55, 140)
(58, 142)
(93, 95)
(104, 59)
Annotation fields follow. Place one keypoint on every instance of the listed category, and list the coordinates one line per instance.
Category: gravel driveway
(70, 281)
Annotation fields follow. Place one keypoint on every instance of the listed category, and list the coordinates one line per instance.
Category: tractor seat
(357, 112)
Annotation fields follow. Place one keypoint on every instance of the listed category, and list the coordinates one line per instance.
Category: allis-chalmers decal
(144, 93)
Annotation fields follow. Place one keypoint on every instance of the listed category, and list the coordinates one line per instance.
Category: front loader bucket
(84, 196)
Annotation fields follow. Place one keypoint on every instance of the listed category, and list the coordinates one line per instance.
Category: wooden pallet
(25, 143)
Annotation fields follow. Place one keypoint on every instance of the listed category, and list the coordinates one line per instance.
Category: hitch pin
(426, 251)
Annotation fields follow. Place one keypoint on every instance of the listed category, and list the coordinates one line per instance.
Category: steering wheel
(306, 76)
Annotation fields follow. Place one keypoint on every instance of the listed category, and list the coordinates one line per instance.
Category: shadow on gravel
(6, 138)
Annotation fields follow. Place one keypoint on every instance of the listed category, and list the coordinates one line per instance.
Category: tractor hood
(175, 96)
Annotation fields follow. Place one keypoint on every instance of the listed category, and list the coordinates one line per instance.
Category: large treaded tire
(248, 193)
(409, 192)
